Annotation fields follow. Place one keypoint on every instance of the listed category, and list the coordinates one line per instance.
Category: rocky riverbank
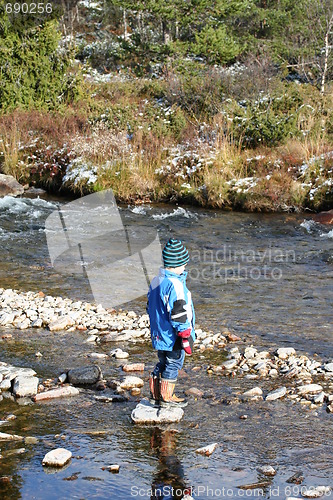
(293, 376)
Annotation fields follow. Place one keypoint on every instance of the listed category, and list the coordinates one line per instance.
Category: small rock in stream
(267, 470)
(130, 382)
(255, 392)
(315, 492)
(112, 468)
(134, 367)
(309, 388)
(57, 393)
(277, 394)
(62, 378)
(25, 386)
(10, 437)
(119, 354)
(85, 375)
(195, 392)
(285, 352)
(296, 478)
(207, 450)
(57, 458)
(144, 413)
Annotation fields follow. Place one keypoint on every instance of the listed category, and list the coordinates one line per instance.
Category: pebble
(309, 388)
(10, 437)
(267, 470)
(57, 393)
(207, 450)
(315, 492)
(277, 394)
(131, 382)
(230, 364)
(194, 391)
(256, 391)
(97, 355)
(112, 468)
(285, 352)
(62, 378)
(134, 367)
(57, 458)
(119, 354)
(25, 386)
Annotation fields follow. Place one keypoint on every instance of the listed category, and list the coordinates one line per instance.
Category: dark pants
(169, 364)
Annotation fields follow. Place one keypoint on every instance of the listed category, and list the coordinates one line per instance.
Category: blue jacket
(170, 309)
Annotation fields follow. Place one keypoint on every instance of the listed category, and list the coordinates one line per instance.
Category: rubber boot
(154, 385)
(168, 398)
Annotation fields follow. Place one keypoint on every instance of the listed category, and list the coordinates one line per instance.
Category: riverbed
(266, 277)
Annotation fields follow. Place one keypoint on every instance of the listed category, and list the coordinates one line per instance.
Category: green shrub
(34, 70)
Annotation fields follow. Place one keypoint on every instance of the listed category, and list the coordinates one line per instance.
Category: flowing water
(267, 277)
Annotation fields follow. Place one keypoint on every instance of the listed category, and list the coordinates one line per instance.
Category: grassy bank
(242, 138)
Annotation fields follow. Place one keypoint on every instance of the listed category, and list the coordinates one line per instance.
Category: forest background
(219, 103)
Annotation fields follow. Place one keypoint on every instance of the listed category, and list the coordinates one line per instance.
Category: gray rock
(277, 394)
(144, 413)
(10, 186)
(57, 458)
(85, 375)
(25, 386)
(328, 367)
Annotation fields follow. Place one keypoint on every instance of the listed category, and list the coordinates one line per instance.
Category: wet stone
(277, 394)
(267, 470)
(25, 386)
(131, 382)
(144, 413)
(57, 458)
(85, 375)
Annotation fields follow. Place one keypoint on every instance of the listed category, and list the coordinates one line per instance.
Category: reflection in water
(168, 482)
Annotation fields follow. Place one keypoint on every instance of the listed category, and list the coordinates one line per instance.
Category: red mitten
(185, 334)
(187, 345)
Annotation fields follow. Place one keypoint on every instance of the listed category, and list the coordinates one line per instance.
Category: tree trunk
(327, 53)
(125, 24)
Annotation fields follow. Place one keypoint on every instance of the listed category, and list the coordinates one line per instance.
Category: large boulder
(10, 186)
(144, 413)
(324, 217)
(85, 375)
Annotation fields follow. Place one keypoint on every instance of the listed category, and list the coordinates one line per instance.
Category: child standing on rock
(172, 320)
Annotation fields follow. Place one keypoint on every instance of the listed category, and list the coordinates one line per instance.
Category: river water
(268, 277)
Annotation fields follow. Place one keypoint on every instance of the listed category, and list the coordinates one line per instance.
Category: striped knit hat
(175, 254)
